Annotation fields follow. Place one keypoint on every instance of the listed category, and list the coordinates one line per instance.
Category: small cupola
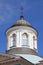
(21, 35)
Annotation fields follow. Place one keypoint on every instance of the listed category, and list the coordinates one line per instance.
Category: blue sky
(10, 12)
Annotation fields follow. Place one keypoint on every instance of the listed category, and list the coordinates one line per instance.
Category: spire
(21, 16)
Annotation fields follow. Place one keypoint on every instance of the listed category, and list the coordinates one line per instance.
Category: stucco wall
(19, 31)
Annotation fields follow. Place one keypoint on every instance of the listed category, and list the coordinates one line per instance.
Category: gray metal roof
(21, 22)
(32, 58)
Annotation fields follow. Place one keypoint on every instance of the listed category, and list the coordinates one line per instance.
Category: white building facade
(22, 41)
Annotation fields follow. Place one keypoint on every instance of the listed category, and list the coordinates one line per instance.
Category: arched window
(14, 40)
(34, 40)
(11, 41)
(24, 40)
(34, 43)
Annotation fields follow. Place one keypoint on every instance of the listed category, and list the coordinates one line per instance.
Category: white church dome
(21, 35)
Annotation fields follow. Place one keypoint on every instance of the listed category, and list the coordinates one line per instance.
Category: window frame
(26, 44)
(14, 40)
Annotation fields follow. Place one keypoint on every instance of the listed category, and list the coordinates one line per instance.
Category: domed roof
(21, 22)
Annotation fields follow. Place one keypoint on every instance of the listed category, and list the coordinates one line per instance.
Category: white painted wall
(19, 33)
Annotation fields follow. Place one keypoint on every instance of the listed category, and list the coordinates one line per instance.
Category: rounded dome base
(21, 51)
